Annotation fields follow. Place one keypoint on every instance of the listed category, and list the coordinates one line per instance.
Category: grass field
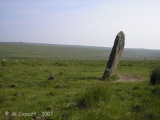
(63, 52)
(76, 93)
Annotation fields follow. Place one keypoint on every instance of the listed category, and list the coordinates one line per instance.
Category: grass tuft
(155, 76)
(156, 90)
(137, 108)
(92, 96)
(2, 97)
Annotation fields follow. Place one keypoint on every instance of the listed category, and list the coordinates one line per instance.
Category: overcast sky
(81, 22)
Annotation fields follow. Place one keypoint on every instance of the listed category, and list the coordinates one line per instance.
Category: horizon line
(77, 45)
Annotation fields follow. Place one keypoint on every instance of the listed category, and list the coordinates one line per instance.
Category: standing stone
(114, 56)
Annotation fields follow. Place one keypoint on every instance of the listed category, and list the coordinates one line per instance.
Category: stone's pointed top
(121, 34)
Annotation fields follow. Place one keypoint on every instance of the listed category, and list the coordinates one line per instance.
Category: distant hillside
(55, 51)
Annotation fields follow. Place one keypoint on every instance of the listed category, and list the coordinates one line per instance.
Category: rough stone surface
(114, 56)
(51, 77)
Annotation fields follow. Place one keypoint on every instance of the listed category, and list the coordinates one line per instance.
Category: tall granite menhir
(114, 56)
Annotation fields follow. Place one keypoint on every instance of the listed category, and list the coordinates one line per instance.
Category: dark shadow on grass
(87, 78)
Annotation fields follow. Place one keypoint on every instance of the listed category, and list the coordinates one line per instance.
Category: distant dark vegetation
(53, 51)
(155, 76)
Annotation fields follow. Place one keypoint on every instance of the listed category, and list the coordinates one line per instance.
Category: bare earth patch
(128, 78)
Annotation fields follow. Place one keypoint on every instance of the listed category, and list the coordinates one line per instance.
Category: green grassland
(52, 51)
(76, 93)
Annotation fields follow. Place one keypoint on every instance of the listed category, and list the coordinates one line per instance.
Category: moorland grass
(155, 76)
(92, 96)
(64, 52)
(77, 93)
